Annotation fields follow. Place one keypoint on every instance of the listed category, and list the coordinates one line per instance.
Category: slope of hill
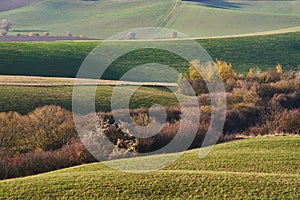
(92, 18)
(63, 59)
(240, 17)
(264, 168)
(104, 18)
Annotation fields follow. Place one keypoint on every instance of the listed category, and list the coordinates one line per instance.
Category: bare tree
(6, 24)
(174, 35)
(68, 34)
(131, 36)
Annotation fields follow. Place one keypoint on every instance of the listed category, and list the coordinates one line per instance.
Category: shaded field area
(63, 59)
(264, 168)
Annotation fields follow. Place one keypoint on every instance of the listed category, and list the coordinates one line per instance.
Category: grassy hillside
(264, 168)
(213, 19)
(92, 18)
(64, 58)
(257, 51)
(106, 17)
(24, 99)
(288, 7)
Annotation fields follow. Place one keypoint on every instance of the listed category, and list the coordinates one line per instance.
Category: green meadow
(240, 32)
(259, 168)
(63, 59)
(24, 99)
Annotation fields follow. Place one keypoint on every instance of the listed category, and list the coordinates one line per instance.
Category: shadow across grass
(217, 3)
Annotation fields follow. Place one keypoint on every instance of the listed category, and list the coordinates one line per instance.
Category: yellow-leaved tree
(225, 70)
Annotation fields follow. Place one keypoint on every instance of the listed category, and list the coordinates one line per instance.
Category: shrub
(269, 116)
(238, 120)
(230, 84)
(204, 100)
(195, 71)
(131, 36)
(288, 101)
(31, 163)
(10, 124)
(31, 34)
(173, 34)
(271, 75)
(207, 72)
(260, 130)
(46, 128)
(201, 75)
(68, 34)
(52, 127)
(199, 87)
(289, 122)
(253, 72)
(279, 69)
(244, 96)
(225, 70)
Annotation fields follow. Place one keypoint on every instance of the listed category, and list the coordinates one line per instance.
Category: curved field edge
(245, 169)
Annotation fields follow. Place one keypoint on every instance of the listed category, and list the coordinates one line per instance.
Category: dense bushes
(41, 141)
(31, 163)
(46, 128)
(250, 99)
(289, 121)
(46, 139)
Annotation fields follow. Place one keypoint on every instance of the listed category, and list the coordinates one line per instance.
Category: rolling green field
(24, 99)
(261, 52)
(104, 18)
(254, 168)
(264, 168)
(62, 59)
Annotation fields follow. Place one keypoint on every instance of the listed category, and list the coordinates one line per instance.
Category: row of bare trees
(5, 25)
